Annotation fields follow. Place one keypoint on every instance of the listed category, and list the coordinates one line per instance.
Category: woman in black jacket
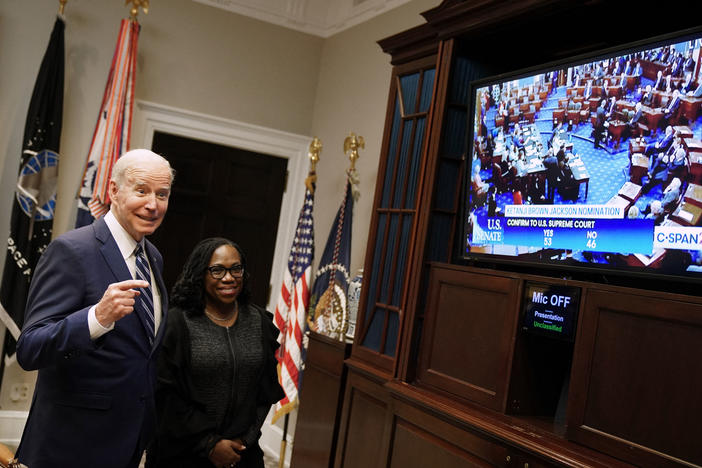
(217, 375)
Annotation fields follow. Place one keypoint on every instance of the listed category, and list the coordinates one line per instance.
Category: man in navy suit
(92, 333)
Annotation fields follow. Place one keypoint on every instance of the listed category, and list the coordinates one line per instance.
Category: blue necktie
(146, 296)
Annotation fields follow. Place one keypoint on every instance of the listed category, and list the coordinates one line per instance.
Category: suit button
(142, 399)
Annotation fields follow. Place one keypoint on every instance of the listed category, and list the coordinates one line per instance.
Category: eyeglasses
(219, 272)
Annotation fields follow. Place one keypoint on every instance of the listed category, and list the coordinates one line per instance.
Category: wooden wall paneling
(420, 439)
(365, 425)
(521, 440)
(321, 397)
(414, 447)
(469, 332)
(637, 376)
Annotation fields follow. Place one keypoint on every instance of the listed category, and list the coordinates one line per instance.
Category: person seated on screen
(576, 79)
(655, 212)
(637, 94)
(671, 195)
(628, 68)
(676, 66)
(495, 95)
(662, 145)
(633, 212)
(610, 108)
(598, 75)
(622, 84)
(616, 68)
(480, 188)
(689, 62)
(638, 71)
(658, 174)
(493, 210)
(647, 98)
(669, 84)
(678, 163)
(587, 92)
(605, 88)
(686, 85)
(517, 134)
(659, 84)
(509, 156)
(503, 111)
(632, 125)
(672, 106)
(521, 164)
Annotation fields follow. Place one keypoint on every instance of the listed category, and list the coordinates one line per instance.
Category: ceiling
(322, 18)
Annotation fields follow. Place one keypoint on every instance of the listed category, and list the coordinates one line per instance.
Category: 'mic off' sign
(551, 310)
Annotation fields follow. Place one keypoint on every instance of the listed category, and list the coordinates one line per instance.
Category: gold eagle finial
(351, 145)
(134, 11)
(315, 149)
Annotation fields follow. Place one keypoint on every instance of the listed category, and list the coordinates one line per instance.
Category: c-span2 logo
(36, 186)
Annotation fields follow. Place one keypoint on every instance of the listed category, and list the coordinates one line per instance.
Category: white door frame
(151, 117)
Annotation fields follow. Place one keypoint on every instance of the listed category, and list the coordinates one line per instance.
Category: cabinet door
(637, 377)
(394, 219)
(468, 339)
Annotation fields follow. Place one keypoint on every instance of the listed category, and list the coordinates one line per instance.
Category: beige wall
(352, 96)
(191, 56)
(201, 59)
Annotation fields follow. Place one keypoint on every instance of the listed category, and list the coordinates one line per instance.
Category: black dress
(213, 383)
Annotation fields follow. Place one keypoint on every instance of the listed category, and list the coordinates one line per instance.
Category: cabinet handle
(509, 459)
(526, 465)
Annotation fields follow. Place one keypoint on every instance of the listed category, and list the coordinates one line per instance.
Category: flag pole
(314, 150)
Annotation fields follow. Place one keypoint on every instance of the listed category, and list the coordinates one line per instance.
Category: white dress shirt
(127, 246)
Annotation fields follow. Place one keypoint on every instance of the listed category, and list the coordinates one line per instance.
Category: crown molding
(322, 18)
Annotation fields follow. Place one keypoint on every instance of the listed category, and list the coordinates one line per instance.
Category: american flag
(112, 131)
(291, 309)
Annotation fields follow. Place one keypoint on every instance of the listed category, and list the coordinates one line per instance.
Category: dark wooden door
(220, 191)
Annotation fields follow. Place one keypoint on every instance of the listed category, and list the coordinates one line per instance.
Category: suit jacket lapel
(110, 251)
(113, 257)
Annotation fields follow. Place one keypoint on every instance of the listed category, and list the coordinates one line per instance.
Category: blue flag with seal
(328, 310)
(32, 216)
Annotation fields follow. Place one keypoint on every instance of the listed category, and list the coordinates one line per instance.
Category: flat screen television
(590, 163)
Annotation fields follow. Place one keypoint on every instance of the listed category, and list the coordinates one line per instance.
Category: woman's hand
(227, 453)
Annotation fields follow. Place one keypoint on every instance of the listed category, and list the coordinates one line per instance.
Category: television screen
(595, 162)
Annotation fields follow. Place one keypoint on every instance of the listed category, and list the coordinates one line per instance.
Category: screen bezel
(586, 271)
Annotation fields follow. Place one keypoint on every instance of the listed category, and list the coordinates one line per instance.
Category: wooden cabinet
(440, 372)
(466, 351)
(321, 396)
(637, 378)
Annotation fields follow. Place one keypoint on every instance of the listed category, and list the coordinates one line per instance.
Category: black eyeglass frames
(219, 272)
